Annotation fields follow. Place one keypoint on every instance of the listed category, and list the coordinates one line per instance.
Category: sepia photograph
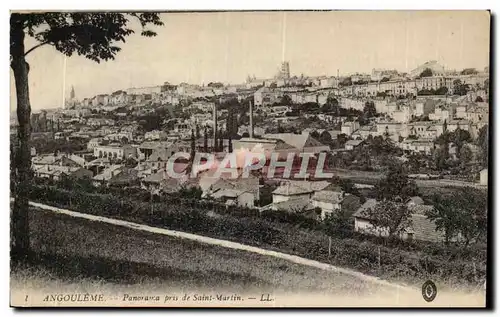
(267, 159)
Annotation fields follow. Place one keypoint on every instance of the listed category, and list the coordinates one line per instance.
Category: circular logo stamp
(429, 291)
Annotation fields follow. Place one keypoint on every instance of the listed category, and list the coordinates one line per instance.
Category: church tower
(70, 102)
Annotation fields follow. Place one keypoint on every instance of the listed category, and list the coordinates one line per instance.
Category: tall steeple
(72, 93)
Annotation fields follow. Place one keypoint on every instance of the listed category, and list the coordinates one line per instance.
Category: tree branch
(35, 47)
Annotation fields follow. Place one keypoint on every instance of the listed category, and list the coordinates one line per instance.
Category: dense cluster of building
(119, 151)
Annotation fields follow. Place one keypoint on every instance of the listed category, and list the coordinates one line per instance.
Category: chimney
(250, 133)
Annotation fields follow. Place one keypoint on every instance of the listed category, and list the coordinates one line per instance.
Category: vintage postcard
(249, 159)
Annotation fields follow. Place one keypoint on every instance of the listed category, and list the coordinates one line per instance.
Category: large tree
(369, 110)
(465, 155)
(444, 216)
(482, 142)
(460, 88)
(93, 35)
(339, 223)
(460, 137)
(392, 217)
(462, 213)
(396, 185)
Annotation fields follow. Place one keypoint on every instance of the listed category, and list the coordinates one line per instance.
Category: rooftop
(328, 196)
(369, 203)
(354, 142)
(292, 205)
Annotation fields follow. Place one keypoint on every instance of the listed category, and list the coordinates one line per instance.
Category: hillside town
(431, 120)
(355, 163)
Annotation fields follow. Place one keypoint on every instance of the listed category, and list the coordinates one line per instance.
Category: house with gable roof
(420, 228)
(240, 191)
(303, 142)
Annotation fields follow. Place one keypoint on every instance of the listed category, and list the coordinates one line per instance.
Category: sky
(227, 46)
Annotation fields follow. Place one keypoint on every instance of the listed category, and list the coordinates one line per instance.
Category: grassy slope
(76, 255)
(70, 248)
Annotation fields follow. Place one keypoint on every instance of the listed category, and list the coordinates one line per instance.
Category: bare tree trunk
(19, 221)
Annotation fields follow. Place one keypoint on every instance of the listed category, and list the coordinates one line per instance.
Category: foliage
(205, 141)
(93, 35)
(394, 217)
(428, 92)
(293, 113)
(154, 120)
(190, 192)
(460, 137)
(89, 34)
(463, 212)
(460, 88)
(266, 194)
(444, 216)
(341, 140)
(373, 153)
(277, 230)
(326, 108)
(482, 142)
(441, 91)
(426, 73)
(130, 162)
(465, 156)
(441, 155)
(232, 121)
(244, 119)
(469, 71)
(346, 82)
(215, 85)
(369, 110)
(221, 142)
(339, 223)
(325, 138)
(331, 105)
(417, 162)
(352, 202)
(286, 100)
(348, 186)
(296, 217)
(396, 185)
(331, 100)
(44, 146)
